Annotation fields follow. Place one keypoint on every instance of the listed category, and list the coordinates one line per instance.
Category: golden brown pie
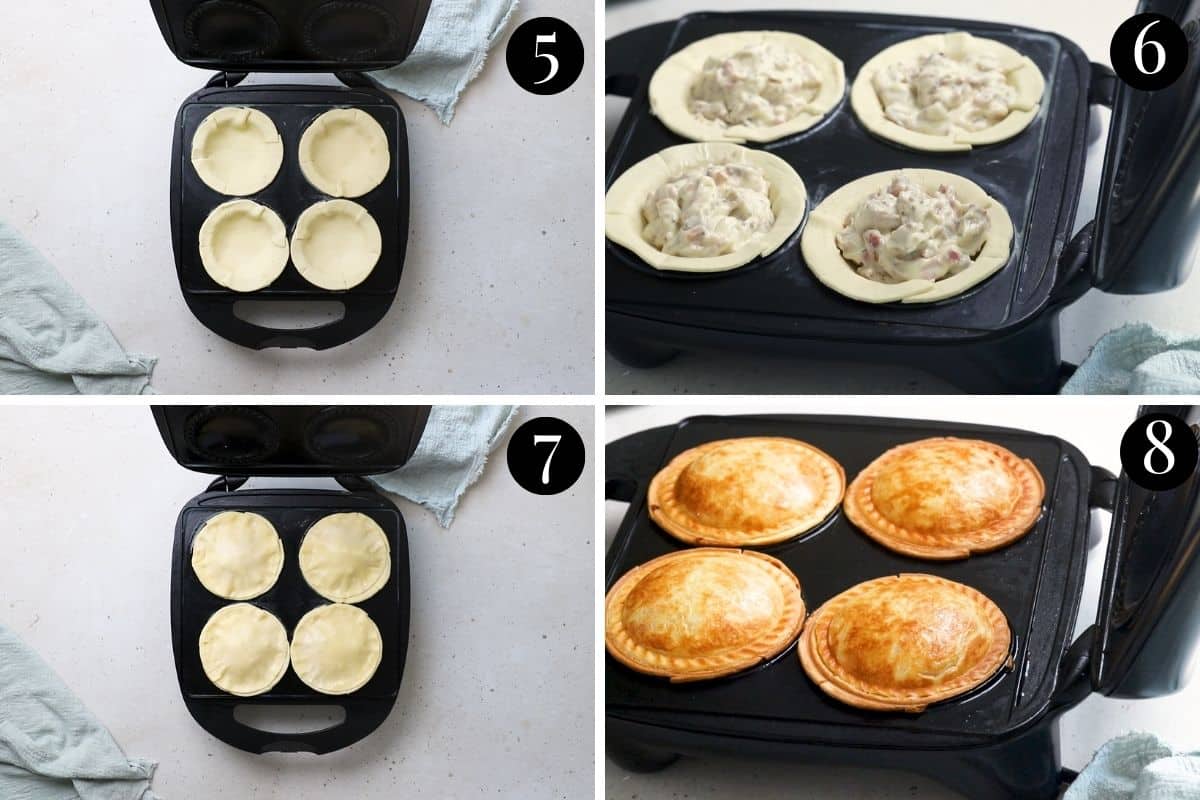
(946, 498)
(902, 642)
(703, 613)
(746, 492)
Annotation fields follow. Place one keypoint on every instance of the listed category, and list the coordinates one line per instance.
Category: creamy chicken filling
(709, 210)
(940, 95)
(759, 85)
(903, 233)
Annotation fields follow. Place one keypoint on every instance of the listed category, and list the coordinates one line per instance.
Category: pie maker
(999, 742)
(240, 442)
(1001, 335)
(237, 37)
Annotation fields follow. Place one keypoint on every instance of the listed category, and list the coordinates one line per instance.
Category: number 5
(1139, 47)
(554, 440)
(550, 38)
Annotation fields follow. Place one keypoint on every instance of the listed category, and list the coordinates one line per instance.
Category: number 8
(1139, 47)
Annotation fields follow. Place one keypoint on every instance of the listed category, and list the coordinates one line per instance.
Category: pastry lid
(287, 441)
(291, 35)
(1149, 618)
(1147, 231)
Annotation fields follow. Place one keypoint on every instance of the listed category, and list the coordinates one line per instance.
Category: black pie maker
(237, 37)
(1001, 335)
(999, 742)
(240, 442)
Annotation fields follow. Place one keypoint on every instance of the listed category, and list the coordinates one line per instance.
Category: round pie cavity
(237, 151)
(746, 492)
(346, 558)
(715, 90)
(903, 642)
(243, 246)
(244, 650)
(237, 555)
(703, 613)
(824, 257)
(345, 153)
(336, 245)
(1023, 79)
(625, 221)
(946, 498)
(336, 649)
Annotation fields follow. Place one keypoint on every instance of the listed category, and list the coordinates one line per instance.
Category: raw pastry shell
(371, 159)
(244, 650)
(723, 658)
(624, 223)
(369, 244)
(825, 259)
(671, 87)
(943, 526)
(1023, 74)
(237, 555)
(731, 489)
(346, 558)
(336, 649)
(246, 275)
(263, 156)
(983, 650)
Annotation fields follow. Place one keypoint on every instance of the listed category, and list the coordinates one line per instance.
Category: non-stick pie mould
(238, 37)
(997, 742)
(1000, 335)
(240, 442)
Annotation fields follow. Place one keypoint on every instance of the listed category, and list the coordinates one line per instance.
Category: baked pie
(946, 498)
(746, 492)
(903, 642)
(703, 613)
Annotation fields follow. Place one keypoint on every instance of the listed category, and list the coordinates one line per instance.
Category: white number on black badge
(1159, 446)
(1139, 49)
(552, 38)
(556, 441)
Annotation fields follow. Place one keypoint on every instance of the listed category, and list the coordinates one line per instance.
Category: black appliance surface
(1037, 582)
(237, 443)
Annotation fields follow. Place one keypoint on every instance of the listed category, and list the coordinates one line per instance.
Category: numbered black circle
(1159, 452)
(545, 56)
(1149, 52)
(546, 456)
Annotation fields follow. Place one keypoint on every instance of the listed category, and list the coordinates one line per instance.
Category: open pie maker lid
(1147, 233)
(1149, 618)
(291, 35)
(283, 441)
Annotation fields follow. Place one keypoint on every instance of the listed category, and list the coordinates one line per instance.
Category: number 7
(554, 440)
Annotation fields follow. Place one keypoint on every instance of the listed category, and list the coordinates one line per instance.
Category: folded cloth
(450, 457)
(1139, 359)
(51, 342)
(51, 747)
(451, 52)
(1138, 766)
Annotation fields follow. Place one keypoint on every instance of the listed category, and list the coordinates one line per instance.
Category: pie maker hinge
(228, 483)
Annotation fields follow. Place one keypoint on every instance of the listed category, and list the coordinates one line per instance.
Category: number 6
(1140, 45)
(549, 38)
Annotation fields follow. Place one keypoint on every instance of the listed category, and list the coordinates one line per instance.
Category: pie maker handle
(362, 719)
(630, 463)
(626, 56)
(362, 313)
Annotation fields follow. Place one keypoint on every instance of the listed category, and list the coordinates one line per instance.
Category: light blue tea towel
(451, 52)
(51, 747)
(1139, 359)
(1138, 766)
(51, 342)
(450, 457)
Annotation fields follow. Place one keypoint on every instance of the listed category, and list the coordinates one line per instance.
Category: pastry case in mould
(237, 38)
(998, 742)
(1001, 335)
(237, 443)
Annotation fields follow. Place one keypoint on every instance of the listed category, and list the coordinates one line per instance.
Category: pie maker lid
(291, 35)
(1149, 618)
(1147, 232)
(288, 441)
